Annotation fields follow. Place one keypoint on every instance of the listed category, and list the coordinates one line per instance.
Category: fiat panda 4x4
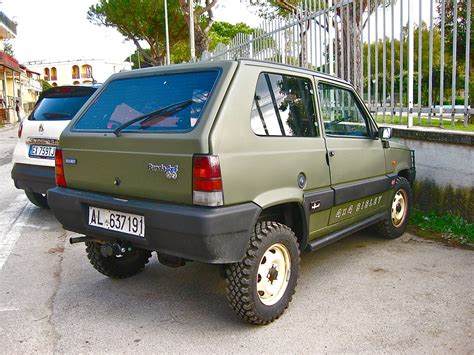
(240, 163)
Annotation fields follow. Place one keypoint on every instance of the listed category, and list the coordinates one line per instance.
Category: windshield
(124, 100)
(58, 108)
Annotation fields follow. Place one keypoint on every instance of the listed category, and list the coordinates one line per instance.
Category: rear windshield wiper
(164, 111)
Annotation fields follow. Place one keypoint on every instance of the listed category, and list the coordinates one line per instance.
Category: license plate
(42, 151)
(117, 221)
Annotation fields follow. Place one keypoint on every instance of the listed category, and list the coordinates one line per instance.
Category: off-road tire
(386, 228)
(242, 276)
(131, 263)
(39, 200)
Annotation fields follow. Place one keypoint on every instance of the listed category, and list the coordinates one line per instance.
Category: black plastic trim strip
(335, 236)
(323, 199)
(360, 189)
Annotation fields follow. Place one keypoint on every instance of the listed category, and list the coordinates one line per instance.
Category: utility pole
(167, 34)
(191, 31)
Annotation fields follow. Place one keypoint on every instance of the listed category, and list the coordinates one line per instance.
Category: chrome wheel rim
(399, 208)
(273, 274)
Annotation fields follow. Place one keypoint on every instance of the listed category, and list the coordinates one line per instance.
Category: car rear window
(173, 102)
(58, 108)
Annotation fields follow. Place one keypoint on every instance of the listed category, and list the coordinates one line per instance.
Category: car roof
(227, 63)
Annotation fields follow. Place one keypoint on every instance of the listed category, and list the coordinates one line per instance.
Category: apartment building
(77, 72)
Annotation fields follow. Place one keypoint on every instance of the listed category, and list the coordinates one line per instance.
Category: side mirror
(385, 133)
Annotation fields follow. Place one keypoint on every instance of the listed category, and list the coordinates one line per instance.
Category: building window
(46, 74)
(76, 83)
(86, 71)
(54, 73)
(54, 84)
(75, 72)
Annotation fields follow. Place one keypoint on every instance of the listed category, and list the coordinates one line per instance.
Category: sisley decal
(374, 201)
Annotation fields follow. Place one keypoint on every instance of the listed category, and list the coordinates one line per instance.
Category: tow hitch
(106, 249)
(114, 249)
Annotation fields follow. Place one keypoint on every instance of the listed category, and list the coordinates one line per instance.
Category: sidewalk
(9, 126)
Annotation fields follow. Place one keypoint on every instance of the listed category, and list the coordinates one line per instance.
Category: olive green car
(240, 163)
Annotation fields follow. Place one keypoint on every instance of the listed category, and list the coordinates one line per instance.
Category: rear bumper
(212, 235)
(35, 178)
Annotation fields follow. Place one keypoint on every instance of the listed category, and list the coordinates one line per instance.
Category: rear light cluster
(59, 168)
(207, 181)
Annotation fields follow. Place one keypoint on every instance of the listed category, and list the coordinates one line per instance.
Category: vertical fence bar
(384, 61)
(376, 69)
(400, 99)
(392, 63)
(467, 60)
(441, 75)
(348, 43)
(341, 16)
(329, 25)
(309, 26)
(369, 54)
(410, 63)
(327, 38)
(430, 67)
(336, 41)
(453, 79)
(320, 44)
(420, 44)
(361, 70)
(354, 45)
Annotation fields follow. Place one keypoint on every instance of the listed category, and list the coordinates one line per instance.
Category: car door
(355, 154)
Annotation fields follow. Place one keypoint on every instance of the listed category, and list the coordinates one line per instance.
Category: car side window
(341, 113)
(283, 105)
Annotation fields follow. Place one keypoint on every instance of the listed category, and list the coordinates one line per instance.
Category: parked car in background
(38, 137)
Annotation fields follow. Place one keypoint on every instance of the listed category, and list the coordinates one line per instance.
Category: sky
(54, 30)
(59, 29)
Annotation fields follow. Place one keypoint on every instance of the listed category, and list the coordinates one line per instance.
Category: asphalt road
(361, 294)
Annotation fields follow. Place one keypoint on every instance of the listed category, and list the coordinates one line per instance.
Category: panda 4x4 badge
(171, 171)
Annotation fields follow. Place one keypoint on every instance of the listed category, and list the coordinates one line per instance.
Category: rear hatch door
(172, 110)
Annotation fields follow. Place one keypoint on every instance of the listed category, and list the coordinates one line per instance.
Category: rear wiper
(56, 115)
(164, 111)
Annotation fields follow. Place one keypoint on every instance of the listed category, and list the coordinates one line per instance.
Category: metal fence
(408, 70)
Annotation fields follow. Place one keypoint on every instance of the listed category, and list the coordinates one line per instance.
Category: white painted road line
(12, 220)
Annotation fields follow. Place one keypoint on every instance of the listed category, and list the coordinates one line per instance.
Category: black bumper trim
(35, 178)
(216, 235)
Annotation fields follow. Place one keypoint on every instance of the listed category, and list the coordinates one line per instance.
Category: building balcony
(8, 61)
(7, 27)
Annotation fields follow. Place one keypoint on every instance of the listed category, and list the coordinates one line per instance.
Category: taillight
(59, 168)
(20, 129)
(207, 181)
